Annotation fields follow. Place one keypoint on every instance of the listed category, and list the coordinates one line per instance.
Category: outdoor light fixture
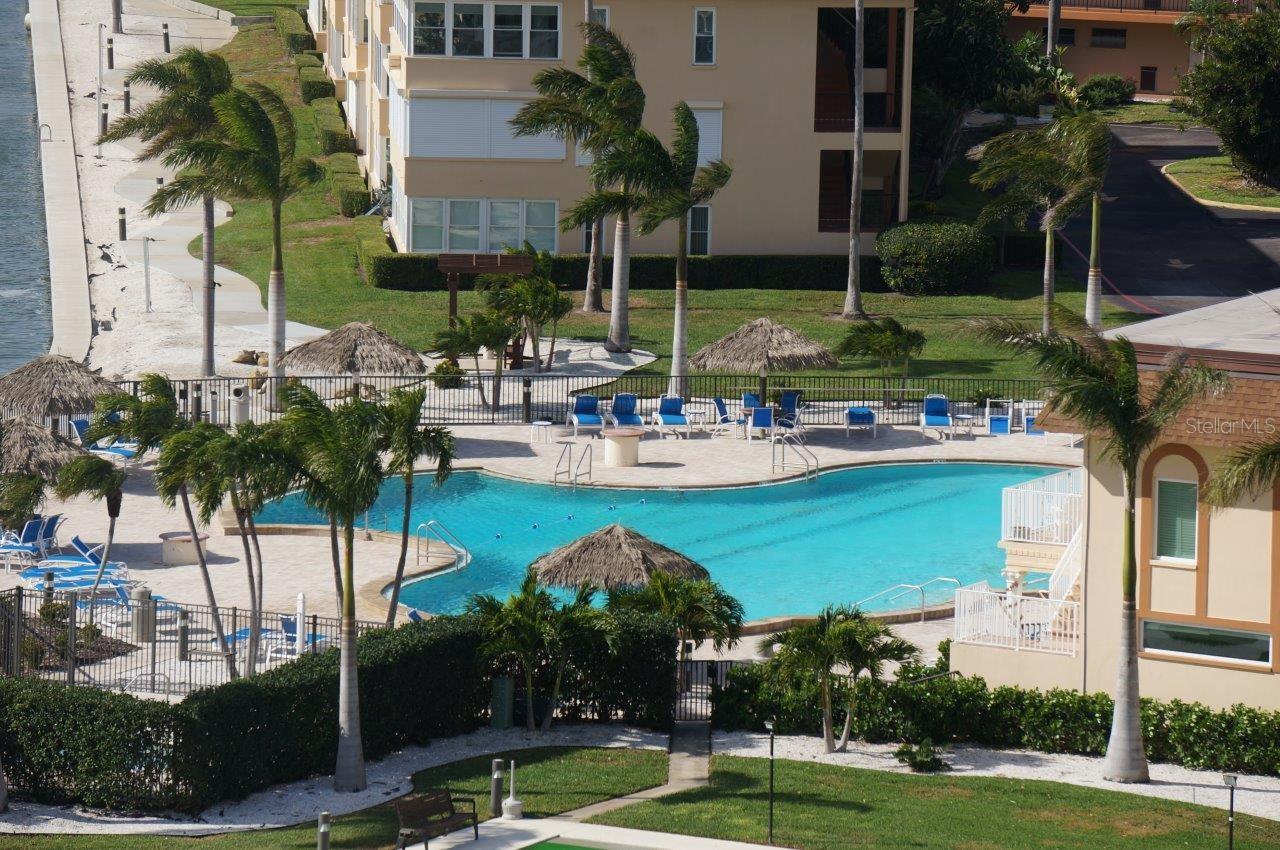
(769, 724)
(1229, 780)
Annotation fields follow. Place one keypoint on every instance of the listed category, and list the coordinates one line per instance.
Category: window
(508, 30)
(1176, 520)
(428, 29)
(468, 29)
(491, 30)
(476, 225)
(710, 134)
(1147, 79)
(600, 14)
(1108, 37)
(1206, 642)
(704, 36)
(700, 231)
(586, 239)
(1066, 36)
(471, 128)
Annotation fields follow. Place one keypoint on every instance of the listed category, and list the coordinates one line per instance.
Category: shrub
(935, 258)
(921, 758)
(446, 376)
(350, 193)
(54, 613)
(293, 31)
(418, 272)
(308, 59)
(331, 130)
(314, 84)
(1103, 90)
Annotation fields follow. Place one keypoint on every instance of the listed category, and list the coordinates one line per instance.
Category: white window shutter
(504, 144)
(449, 127)
(710, 134)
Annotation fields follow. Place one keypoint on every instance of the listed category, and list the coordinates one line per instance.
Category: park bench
(431, 814)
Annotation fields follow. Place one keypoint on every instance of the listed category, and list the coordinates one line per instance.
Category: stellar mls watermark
(1258, 426)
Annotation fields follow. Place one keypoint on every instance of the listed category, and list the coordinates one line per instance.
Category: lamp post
(1229, 779)
(146, 271)
(769, 724)
(102, 28)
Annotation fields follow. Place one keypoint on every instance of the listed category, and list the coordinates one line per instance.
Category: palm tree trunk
(1126, 759)
(848, 717)
(534, 332)
(619, 318)
(828, 734)
(528, 699)
(853, 293)
(479, 381)
(551, 355)
(207, 311)
(404, 545)
(592, 297)
(4, 791)
(251, 663)
(1046, 324)
(1093, 290)
(203, 563)
(555, 697)
(257, 555)
(276, 299)
(348, 773)
(679, 384)
(497, 383)
(1051, 32)
(337, 567)
(113, 513)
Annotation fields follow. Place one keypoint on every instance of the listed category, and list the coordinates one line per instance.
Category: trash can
(998, 424)
(502, 702)
(239, 402)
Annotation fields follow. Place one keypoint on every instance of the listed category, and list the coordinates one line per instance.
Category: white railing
(1062, 581)
(1044, 510)
(921, 591)
(987, 617)
(435, 529)
(808, 461)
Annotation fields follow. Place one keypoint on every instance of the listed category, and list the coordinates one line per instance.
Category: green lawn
(1213, 178)
(551, 780)
(823, 806)
(254, 7)
(1138, 112)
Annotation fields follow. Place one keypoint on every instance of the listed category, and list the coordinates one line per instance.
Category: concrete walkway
(688, 766)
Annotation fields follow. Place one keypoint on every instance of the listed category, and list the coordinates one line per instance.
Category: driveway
(1161, 251)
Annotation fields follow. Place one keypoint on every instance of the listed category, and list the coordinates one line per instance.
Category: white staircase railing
(564, 465)
(1066, 573)
(901, 590)
(578, 472)
(435, 529)
(1044, 510)
(989, 617)
(808, 461)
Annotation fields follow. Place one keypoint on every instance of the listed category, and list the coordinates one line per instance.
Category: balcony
(879, 194)
(882, 72)
(996, 618)
(1044, 510)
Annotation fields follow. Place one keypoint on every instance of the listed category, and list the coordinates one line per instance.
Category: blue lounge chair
(860, 417)
(670, 416)
(84, 554)
(415, 617)
(791, 407)
(936, 413)
(285, 643)
(71, 571)
(83, 583)
(241, 637)
(110, 449)
(622, 411)
(585, 413)
(24, 546)
(750, 401)
(724, 421)
(761, 420)
(163, 605)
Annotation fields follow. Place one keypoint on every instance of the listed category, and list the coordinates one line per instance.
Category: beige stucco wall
(770, 206)
(1022, 669)
(1151, 44)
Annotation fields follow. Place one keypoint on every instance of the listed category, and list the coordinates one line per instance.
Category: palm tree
(187, 84)
(530, 301)
(338, 448)
(683, 186)
(1095, 382)
(462, 340)
(21, 495)
(853, 290)
(97, 478)
(1085, 142)
(886, 340)
(492, 330)
(253, 156)
(811, 649)
(406, 440)
(701, 609)
(567, 625)
(516, 630)
(865, 646)
(596, 109)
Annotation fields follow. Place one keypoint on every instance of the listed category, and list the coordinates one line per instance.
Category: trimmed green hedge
(314, 83)
(418, 682)
(293, 31)
(386, 269)
(331, 130)
(964, 709)
(308, 59)
(935, 258)
(349, 190)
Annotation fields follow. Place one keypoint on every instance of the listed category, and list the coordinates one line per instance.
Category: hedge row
(385, 269)
(963, 709)
(421, 681)
(349, 190)
(331, 130)
(293, 31)
(314, 83)
(308, 59)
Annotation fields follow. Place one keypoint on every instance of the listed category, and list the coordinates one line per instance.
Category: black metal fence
(515, 399)
(697, 679)
(146, 646)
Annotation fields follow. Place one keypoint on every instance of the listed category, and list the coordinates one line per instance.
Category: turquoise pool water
(781, 549)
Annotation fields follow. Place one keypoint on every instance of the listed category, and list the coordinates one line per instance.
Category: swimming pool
(781, 549)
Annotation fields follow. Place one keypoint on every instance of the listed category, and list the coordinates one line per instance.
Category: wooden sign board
(485, 263)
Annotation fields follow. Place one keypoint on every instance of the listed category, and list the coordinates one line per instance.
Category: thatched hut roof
(30, 447)
(52, 385)
(354, 348)
(613, 557)
(762, 346)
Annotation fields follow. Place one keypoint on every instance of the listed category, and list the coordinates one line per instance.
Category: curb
(1222, 205)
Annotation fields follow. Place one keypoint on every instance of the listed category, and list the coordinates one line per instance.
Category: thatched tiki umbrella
(762, 346)
(52, 386)
(611, 558)
(28, 448)
(356, 348)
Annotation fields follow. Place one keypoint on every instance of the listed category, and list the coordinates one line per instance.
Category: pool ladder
(573, 473)
(807, 460)
(434, 529)
(901, 590)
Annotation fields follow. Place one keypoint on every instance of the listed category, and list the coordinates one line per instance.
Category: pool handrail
(905, 588)
(435, 528)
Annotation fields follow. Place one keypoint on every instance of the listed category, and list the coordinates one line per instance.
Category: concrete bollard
(111, 54)
(164, 31)
(495, 789)
(126, 97)
(124, 233)
(322, 831)
(103, 119)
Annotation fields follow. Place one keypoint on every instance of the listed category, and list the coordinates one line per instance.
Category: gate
(696, 679)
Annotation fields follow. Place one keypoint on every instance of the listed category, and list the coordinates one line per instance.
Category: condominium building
(1208, 589)
(429, 88)
(1132, 38)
